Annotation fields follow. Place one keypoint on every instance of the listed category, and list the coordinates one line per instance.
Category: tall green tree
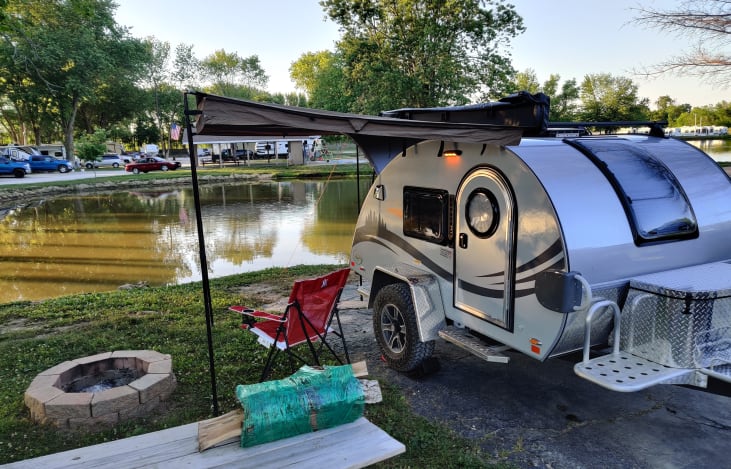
(68, 49)
(230, 72)
(423, 52)
(607, 98)
(667, 110)
(322, 76)
(186, 67)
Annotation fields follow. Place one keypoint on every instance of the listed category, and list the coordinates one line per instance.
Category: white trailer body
(483, 223)
(544, 245)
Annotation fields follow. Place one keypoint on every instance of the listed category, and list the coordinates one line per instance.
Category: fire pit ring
(99, 391)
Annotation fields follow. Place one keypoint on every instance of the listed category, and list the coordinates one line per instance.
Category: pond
(718, 149)
(97, 242)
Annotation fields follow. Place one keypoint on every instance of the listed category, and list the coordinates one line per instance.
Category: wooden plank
(137, 451)
(220, 430)
(360, 369)
(353, 445)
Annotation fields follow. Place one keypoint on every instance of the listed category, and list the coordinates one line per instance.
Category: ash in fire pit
(101, 390)
(108, 379)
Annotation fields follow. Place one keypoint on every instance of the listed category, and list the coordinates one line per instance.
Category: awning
(381, 138)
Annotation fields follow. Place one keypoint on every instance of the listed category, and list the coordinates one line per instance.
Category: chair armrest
(246, 311)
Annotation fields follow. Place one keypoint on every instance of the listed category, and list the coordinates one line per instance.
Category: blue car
(39, 163)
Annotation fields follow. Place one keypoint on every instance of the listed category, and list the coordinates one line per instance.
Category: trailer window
(656, 206)
(426, 213)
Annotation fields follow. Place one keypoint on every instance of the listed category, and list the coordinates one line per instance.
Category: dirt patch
(264, 297)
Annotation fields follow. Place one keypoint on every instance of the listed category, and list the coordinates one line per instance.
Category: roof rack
(656, 127)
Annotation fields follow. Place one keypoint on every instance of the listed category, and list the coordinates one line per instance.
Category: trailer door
(484, 259)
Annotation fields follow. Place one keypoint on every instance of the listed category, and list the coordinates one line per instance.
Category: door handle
(463, 240)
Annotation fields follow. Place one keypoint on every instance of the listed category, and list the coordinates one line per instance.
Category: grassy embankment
(35, 336)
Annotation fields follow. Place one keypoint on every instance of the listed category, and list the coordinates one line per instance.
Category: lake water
(719, 150)
(98, 242)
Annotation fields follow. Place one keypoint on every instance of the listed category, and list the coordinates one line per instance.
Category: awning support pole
(202, 251)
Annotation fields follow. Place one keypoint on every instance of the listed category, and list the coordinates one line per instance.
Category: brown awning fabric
(380, 137)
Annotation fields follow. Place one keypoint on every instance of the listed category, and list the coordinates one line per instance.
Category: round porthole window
(483, 213)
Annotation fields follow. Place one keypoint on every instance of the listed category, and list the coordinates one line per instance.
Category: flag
(174, 132)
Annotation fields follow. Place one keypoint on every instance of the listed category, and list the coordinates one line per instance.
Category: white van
(269, 149)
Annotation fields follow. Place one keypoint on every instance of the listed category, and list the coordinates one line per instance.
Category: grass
(38, 335)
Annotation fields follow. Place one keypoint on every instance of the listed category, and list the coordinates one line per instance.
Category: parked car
(39, 163)
(115, 161)
(17, 168)
(240, 154)
(151, 163)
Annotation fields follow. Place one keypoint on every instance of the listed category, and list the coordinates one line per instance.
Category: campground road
(55, 176)
(541, 415)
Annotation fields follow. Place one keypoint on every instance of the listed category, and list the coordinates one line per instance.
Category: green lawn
(38, 335)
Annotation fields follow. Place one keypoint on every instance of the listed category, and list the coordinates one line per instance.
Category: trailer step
(462, 338)
(625, 372)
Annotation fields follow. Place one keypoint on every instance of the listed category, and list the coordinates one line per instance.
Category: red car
(151, 163)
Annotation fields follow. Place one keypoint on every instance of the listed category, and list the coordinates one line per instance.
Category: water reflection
(97, 242)
(718, 149)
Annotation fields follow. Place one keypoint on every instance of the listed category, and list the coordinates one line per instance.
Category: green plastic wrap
(311, 399)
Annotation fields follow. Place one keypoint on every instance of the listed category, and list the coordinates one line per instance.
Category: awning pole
(202, 251)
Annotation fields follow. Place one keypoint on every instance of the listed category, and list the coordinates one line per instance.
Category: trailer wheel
(394, 323)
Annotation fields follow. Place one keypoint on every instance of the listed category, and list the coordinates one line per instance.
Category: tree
(709, 22)
(607, 98)
(564, 102)
(91, 146)
(322, 76)
(667, 110)
(527, 81)
(229, 71)
(64, 51)
(186, 67)
(422, 53)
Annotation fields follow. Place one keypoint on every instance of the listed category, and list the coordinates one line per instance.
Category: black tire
(115, 165)
(89, 165)
(164, 168)
(397, 334)
(136, 170)
(18, 173)
(63, 168)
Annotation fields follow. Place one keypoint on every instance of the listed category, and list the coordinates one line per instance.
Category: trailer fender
(425, 296)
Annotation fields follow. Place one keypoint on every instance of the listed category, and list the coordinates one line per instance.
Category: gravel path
(542, 415)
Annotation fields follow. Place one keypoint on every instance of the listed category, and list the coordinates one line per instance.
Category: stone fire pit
(102, 390)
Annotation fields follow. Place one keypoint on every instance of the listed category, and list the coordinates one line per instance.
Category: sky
(572, 38)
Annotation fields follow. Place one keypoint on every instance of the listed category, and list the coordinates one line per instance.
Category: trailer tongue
(548, 244)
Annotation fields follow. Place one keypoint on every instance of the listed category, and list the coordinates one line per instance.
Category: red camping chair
(307, 318)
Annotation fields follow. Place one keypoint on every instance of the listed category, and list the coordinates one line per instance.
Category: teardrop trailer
(487, 227)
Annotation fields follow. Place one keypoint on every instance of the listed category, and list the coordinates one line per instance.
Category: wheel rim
(392, 328)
